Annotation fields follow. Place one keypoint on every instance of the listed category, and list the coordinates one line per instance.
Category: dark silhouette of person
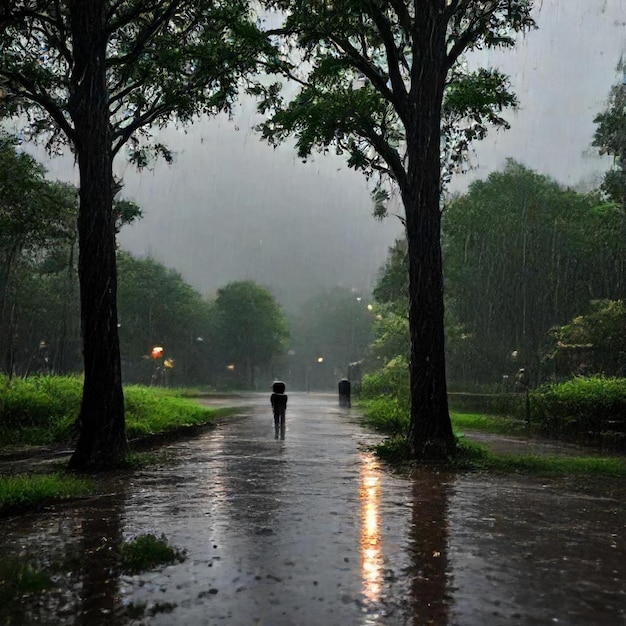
(278, 400)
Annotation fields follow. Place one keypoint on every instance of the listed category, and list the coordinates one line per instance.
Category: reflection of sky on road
(371, 555)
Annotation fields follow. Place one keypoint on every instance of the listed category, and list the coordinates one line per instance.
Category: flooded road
(305, 528)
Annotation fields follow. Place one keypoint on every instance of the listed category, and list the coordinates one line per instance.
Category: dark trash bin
(344, 392)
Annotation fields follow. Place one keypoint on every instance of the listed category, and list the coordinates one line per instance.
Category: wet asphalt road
(304, 528)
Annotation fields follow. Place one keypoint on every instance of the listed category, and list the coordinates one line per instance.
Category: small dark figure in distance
(278, 400)
(344, 392)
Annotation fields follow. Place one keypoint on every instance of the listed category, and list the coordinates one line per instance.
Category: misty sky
(233, 208)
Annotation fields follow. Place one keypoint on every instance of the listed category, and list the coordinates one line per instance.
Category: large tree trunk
(430, 433)
(102, 443)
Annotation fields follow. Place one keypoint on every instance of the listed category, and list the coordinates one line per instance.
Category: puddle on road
(281, 534)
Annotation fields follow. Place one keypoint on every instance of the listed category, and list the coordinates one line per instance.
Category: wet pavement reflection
(307, 529)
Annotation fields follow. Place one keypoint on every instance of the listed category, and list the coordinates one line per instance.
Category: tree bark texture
(430, 433)
(102, 442)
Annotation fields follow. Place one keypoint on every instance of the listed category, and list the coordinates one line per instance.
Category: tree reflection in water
(428, 548)
(102, 538)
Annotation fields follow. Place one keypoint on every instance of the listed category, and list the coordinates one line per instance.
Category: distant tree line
(243, 326)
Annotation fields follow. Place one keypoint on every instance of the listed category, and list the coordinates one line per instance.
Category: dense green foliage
(535, 277)
(39, 299)
(156, 307)
(385, 395)
(363, 69)
(610, 137)
(164, 62)
(588, 410)
(37, 231)
(594, 343)
(522, 255)
(582, 410)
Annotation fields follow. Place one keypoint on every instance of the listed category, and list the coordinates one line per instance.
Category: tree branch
(123, 134)
(471, 32)
(29, 92)
(364, 65)
(391, 50)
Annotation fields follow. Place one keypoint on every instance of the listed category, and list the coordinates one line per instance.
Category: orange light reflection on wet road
(371, 557)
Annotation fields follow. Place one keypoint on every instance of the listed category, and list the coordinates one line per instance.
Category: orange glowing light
(157, 352)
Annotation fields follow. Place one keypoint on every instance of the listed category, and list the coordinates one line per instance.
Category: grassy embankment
(568, 411)
(41, 411)
(475, 456)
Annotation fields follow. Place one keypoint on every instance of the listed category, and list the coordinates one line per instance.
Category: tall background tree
(374, 77)
(37, 228)
(158, 308)
(97, 74)
(250, 331)
(610, 138)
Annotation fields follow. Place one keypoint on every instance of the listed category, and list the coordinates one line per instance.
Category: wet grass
(18, 579)
(147, 552)
(42, 410)
(389, 416)
(474, 456)
(152, 411)
(488, 423)
(477, 457)
(24, 491)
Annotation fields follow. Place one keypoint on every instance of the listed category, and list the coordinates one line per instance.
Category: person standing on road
(278, 400)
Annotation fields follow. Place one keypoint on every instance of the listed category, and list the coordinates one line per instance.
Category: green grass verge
(488, 423)
(477, 457)
(42, 410)
(22, 491)
(474, 456)
(152, 410)
(391, 417)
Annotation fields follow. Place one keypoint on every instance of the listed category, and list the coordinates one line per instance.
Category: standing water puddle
(309, 530)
